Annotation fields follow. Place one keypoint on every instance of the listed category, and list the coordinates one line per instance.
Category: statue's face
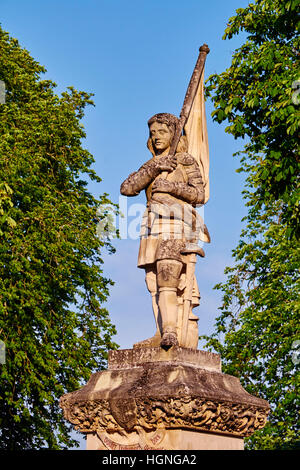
(161, 136)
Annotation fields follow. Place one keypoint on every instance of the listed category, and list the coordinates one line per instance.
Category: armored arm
(191, 191)
(188, 193)
(140, 179)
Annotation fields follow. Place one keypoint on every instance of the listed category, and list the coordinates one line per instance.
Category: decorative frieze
(150, 413)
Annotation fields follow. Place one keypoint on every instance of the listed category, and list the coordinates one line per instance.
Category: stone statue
(175, 182)
(164, 394)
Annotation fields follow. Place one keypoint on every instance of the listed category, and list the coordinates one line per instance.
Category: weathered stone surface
(163, 440)
(127, 358)
(164, 394)
(170, 230)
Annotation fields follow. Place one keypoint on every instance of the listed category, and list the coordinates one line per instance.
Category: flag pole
(189, 96)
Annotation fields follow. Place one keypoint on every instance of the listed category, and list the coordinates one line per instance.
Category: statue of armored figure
(170, 233)
(175, 180)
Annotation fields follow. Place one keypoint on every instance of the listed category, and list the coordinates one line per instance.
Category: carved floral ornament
(193, 413)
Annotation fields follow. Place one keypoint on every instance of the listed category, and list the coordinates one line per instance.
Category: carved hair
(165, 118)
(172, 122)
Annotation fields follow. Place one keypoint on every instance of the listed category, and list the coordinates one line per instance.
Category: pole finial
(204, 48)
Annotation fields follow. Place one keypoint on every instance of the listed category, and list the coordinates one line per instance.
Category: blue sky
(137, 58)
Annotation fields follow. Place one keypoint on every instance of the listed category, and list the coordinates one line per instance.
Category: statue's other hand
(166, 163)
(162, 186)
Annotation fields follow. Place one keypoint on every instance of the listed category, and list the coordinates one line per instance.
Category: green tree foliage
(257, 330)
(52, 285)
(257, 97)
(5, 206)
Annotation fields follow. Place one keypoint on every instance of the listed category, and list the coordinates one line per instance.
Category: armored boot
(168, 274)
(154, 341)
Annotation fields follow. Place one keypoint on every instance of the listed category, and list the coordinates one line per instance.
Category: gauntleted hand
(166, 163)
(162, 186)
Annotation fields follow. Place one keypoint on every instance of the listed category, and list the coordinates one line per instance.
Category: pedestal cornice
(183, 392)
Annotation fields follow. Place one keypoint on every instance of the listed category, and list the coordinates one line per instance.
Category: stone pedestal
(169, 400)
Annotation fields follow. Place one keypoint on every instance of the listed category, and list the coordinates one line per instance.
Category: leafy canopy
(257, 330)
(52, 286)
(258, 97)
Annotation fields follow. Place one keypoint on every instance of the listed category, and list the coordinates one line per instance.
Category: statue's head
(167, 119)
(162, 127)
